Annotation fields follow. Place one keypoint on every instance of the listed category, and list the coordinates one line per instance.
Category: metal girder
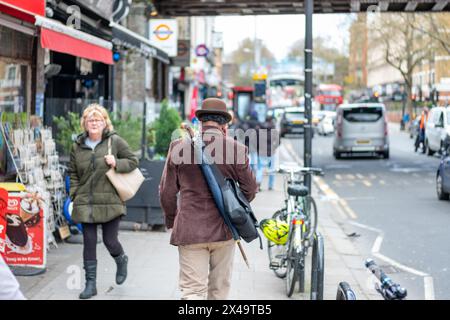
(252, 7)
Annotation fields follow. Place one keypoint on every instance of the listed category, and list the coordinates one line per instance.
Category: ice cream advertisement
(24, 230)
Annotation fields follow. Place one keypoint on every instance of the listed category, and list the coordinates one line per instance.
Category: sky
(278, 32)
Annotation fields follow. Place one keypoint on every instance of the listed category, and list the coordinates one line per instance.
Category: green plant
(129, 128)
(169, 120)
(67, 128)
(17, 120)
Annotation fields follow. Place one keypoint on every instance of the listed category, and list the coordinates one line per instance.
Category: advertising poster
(3, 205)
(25, 230)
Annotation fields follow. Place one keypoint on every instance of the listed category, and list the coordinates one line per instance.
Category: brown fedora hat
(213, 106)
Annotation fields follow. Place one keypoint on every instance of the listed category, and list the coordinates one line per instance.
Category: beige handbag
(126, 184)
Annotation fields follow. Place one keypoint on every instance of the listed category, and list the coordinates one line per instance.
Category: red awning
(23, 9)
(58, 37)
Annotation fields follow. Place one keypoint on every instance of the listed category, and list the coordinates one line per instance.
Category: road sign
(164, 35)
(201, 50)
(183, 57)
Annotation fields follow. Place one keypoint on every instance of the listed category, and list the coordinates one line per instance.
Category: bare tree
(436, 26)
(404, 48)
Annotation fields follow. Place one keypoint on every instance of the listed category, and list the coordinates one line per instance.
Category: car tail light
(339, 124)
(385, 126)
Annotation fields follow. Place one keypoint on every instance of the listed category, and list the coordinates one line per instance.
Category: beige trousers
(205, 270)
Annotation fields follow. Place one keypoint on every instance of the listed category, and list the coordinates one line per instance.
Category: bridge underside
(264, 7)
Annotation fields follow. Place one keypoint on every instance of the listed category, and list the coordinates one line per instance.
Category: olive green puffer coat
(95, 200)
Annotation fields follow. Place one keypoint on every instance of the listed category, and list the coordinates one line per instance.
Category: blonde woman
(95, 201)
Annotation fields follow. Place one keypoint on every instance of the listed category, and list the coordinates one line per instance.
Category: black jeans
(110, 239)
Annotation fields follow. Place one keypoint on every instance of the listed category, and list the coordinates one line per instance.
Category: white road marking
(349, 183)
(429, 288)
(367, 183)
(427, 279)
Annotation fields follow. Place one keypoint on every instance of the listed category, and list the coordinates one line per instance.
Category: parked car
(326, 124)
(443, 176)
(317, 116)
(361, 128)
(293, 121)
(437, 129)
(414, 127)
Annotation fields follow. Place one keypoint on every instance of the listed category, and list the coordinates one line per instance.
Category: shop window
(14, 85)
(11, 73)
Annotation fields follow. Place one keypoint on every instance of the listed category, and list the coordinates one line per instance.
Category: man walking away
(205, 244)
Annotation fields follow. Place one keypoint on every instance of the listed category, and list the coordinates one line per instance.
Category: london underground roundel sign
(201, 50)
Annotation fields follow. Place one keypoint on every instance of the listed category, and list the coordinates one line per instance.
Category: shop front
(18, 52)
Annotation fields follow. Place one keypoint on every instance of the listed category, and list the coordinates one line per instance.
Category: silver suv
(361, 128)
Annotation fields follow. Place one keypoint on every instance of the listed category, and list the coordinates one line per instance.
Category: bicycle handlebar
(389, 289)
(302, 170)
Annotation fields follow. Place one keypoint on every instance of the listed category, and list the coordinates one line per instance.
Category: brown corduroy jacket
(186, 200)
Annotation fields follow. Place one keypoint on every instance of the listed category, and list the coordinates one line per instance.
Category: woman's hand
(110, 160)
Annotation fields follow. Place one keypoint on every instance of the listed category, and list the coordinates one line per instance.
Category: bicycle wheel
(345, 292)
(301, 272)
(292, 267)
(317, 268)
(311, 210)
(278, 252)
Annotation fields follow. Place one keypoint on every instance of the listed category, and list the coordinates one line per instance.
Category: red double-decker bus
(329, 96)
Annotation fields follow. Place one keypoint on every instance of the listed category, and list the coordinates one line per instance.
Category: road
(392, 207)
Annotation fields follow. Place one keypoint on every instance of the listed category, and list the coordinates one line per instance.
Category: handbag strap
(109, 146)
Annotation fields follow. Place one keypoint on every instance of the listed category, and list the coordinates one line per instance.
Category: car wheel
(337, 155)
(442, 148)
(441, 194)
(428, 151)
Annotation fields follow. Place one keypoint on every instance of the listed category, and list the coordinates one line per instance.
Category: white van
(361, 128)
(437, 129)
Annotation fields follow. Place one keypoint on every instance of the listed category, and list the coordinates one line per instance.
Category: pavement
(153, 262)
